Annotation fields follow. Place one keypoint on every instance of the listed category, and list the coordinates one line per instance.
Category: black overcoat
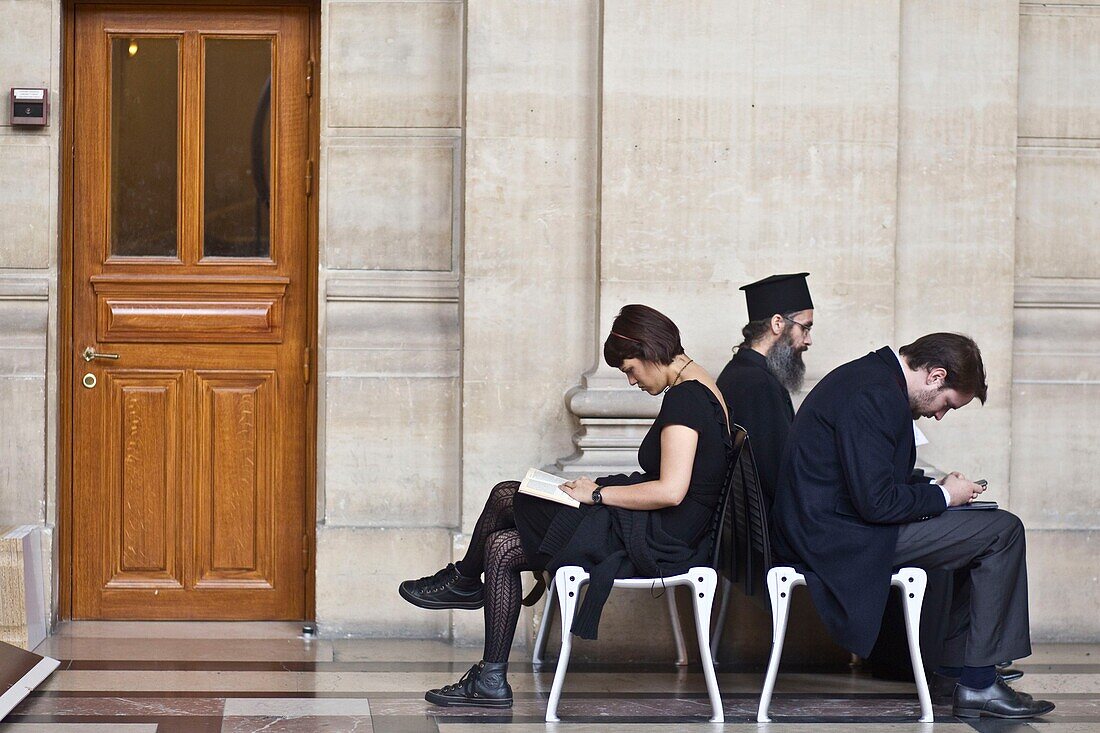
(844, 489)
(759, 403)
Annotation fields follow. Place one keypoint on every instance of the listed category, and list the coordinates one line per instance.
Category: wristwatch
(597, 497)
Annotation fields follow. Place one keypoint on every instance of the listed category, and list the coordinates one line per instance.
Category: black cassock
(762, 406)
(845, 486)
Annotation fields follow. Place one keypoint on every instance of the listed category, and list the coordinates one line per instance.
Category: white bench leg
(780, 582)
(703, 589)
(568, 581)
(720, 622)
(544, 625)
(912, 582)
(677, 628)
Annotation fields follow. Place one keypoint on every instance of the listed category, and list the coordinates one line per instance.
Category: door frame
(65, 346)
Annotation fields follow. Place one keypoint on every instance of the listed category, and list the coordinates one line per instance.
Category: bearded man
(768, 366)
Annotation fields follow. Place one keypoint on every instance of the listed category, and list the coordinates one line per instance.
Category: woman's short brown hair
(955, 353)
(641, 332)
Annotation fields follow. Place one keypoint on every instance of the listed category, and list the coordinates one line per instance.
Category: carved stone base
(613, 418)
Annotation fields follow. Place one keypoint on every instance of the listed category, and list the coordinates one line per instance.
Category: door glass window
(237, 148)
(144, 147)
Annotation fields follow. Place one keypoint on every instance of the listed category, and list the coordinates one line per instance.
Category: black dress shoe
(485, 685)
(942, 687)
(997, 701)
(445, 589)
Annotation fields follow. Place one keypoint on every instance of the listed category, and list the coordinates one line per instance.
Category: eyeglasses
(805, 327)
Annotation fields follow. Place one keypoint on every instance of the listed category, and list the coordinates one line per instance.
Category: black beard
(785, 362)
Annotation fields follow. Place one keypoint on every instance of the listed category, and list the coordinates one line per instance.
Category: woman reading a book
(649, 524)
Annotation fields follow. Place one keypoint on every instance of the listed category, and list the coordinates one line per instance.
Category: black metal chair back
(721, 522)
(746, 554)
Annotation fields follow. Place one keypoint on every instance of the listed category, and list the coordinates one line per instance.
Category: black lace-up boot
(446, 589)
(485, 685)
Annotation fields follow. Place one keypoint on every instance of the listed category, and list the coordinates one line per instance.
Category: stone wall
(390, 231)
(30, 56)
(1056, 344)
(497, 178)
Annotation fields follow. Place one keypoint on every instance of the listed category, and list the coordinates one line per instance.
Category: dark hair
(640, 332)
(957, 354)
(756, 330)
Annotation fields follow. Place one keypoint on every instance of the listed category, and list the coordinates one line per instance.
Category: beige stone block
(390, 206)
(958, 75)
(358, 571)
(23, 323)
(391, 451)
(22, 449)
(837, 82)
(728, 71)
(392, 325)
(394, 64)
(506, 340)
(25, 239)
(522, 83)
(26, 49)
(1056, 448)
(676, 71)
(676, 212)
(1059, 72)
(508, 427)
(1056, 223)
(393, 363)
(530, 210)
(1042, 333)
(1063, 586)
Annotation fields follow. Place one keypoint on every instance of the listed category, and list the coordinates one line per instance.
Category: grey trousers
(988, 620)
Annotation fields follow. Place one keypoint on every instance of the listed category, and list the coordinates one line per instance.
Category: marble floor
(246, 678)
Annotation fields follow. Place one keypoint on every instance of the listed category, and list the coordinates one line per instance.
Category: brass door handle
(90, 353)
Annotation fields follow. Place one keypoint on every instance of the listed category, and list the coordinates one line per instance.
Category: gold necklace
(678, 374)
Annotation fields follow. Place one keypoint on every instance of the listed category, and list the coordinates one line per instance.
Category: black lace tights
(495, 550)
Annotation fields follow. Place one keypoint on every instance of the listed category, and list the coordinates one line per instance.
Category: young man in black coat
(848, 511)
(768, 366)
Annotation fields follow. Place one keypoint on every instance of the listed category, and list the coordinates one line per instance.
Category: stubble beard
(922, 403)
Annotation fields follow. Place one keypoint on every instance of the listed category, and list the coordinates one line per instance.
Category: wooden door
(190, 240)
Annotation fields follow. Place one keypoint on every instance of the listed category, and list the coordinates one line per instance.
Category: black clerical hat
(777, 294)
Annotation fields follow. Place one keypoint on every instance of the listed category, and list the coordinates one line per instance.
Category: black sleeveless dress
(549, 531)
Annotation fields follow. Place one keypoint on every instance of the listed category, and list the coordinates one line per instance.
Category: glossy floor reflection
(250, 677)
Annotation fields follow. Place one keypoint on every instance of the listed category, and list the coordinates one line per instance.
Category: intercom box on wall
(30, 107)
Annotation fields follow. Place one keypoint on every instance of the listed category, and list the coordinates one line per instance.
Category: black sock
(955, 672)
(466, 577)
(978, 678)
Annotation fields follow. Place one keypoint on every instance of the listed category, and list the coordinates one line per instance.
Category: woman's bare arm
(678, 445)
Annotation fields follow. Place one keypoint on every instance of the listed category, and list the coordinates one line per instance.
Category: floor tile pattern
(251, 678)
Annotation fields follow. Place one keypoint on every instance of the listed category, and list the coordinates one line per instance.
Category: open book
(545, 486)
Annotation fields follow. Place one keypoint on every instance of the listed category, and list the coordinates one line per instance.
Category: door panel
(236, 479)
(189, 312)
(143, 437)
